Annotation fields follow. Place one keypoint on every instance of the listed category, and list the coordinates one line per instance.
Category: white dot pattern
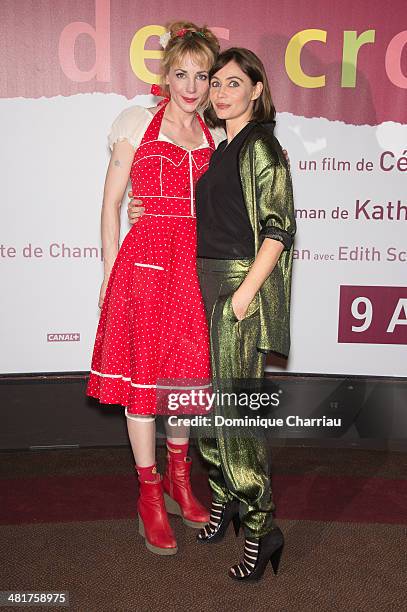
(152, 325)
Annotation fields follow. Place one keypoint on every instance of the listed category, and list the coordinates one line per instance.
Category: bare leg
(177, 434)
(177, 484)
(141, 430)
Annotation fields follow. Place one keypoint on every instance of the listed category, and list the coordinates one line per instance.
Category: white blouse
(132, 123)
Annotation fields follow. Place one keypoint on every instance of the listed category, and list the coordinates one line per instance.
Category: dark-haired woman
(246, 228)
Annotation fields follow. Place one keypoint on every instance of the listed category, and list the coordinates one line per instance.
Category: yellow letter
(293, 58)
(138, 53)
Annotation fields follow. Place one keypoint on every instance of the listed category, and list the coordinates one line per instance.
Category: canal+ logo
(64, 337)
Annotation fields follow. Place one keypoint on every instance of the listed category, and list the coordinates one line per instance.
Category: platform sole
(173, 507)
(154, 549)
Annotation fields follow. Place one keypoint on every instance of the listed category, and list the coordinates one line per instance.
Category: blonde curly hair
(186, 37)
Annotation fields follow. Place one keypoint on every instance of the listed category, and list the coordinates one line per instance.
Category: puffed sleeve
(274, 193)
(130, 125)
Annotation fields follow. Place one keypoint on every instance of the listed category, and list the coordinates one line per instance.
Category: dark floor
(354, 562)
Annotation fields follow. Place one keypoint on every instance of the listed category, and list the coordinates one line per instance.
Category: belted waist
(164, 206)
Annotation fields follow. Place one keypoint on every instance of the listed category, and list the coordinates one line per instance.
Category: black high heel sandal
(257, 553)
(221, 515)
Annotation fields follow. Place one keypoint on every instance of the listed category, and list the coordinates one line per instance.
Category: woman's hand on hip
(135, 209)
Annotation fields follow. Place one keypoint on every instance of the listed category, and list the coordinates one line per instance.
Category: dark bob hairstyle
(251, 65)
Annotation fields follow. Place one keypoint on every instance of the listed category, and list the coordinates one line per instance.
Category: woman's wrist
(106, 274)
(241, 301)
(108, 263)
(243, 296)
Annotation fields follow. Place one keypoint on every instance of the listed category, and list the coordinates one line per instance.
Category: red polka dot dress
(152, 332)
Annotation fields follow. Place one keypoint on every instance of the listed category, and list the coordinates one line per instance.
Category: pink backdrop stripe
(66, 47)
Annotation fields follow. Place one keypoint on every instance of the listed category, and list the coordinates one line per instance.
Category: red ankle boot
(178, 495)
(153, 519)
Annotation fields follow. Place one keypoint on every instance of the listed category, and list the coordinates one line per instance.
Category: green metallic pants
(239, 459)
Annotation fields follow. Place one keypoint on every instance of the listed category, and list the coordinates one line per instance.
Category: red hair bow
(157, 91)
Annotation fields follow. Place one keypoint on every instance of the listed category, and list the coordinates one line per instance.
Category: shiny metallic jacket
(268, 194)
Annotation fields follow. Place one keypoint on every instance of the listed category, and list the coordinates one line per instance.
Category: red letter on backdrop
(101, 37)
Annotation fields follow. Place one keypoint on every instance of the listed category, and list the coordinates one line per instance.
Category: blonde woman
(152, 325)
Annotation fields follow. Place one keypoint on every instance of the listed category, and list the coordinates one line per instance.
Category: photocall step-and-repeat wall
(338, 74)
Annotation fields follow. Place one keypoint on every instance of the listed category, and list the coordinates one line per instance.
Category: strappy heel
(257, 554)
(221, 516)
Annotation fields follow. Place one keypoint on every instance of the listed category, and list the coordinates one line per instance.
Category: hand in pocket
(239, 306)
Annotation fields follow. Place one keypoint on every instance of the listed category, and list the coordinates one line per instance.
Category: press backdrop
(338, 73)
